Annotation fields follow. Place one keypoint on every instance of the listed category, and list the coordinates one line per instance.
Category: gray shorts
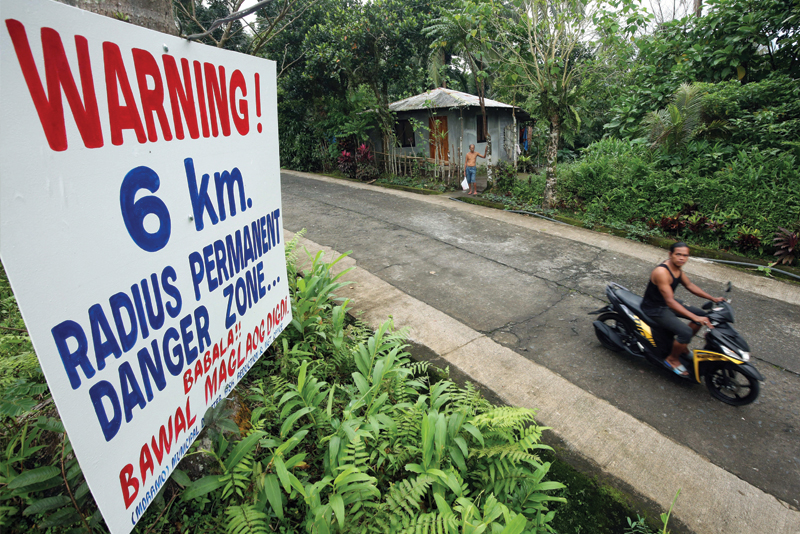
(669, 320)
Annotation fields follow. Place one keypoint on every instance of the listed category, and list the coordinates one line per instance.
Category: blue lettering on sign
(244, 293)
(119, 302)
(221, 261)
(134, 211)
(117, 404)
(228, 180)
(202, 204)
(230, 318)
(152, 366)
(101, 329)
(71, 360)
(117, 327)
(168, 276)
(152, 306)
(102, 389)
(107, 340)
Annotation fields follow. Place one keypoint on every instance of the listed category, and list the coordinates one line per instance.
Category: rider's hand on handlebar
(717, 299)
(704, 321)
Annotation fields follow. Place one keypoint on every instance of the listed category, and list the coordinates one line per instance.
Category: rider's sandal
(680, 370)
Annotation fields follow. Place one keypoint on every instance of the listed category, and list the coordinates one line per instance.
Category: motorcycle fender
(602, 329)
(751, 371)
(601, 310)
(703, 357)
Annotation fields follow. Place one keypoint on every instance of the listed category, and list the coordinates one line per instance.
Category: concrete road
(530, 289)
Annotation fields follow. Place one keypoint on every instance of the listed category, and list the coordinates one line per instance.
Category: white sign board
(141, 230)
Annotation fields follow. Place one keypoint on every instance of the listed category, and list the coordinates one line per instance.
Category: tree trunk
(489, 179)
(153, 14)
(515, 144)
(488, 152)
(461, 147)
(552, 156)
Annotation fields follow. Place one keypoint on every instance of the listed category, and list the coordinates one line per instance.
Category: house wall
(461, 124)
(497, 119)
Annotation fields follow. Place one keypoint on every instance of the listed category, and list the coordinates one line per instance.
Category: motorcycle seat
(634, 302)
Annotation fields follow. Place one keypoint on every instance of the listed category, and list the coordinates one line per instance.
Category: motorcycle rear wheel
(613, 321)
(726, 383)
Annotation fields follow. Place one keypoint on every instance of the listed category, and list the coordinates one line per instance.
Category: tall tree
(537, 40)
(462, 31)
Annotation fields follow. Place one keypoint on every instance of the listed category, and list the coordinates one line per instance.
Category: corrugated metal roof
(443, 98)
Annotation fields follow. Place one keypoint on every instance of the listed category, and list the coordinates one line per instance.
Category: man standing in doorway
(470, 169)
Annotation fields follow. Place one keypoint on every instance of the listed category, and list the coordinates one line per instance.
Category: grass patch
(415, 183)
(482, 202)
(591, 507)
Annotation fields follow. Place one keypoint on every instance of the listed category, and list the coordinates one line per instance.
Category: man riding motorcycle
(660, 304)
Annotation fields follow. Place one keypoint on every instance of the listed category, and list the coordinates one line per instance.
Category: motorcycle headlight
(739, 355)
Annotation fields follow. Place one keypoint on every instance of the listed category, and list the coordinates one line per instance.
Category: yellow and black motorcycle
(724, 361)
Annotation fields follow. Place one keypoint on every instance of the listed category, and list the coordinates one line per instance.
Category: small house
(442, 123)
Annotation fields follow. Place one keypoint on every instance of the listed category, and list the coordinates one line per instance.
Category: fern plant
(317, 321)
(54, 494)
(245, 519)
(673, 126)
(303, 401)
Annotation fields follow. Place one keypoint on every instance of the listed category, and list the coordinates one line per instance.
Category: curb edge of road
(621, 447)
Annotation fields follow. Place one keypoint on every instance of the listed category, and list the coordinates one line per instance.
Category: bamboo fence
(446, 171)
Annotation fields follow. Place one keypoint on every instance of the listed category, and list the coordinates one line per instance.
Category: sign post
(141, 230)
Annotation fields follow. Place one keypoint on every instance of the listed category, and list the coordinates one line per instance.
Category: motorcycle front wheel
(728, 384)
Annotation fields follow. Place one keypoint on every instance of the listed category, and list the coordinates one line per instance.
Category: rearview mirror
(728, 287)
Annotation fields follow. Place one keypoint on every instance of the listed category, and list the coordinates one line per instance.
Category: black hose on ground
(743, 264)
(537, 215)
(519, 211)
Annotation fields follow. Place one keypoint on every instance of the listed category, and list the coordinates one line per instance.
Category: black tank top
(653, 303)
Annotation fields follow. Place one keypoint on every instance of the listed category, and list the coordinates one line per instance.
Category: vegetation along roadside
(335, 430)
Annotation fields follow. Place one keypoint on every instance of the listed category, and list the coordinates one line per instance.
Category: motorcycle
(724, 362)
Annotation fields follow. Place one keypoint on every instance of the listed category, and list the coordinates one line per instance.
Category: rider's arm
(692, 288)
(662, 279)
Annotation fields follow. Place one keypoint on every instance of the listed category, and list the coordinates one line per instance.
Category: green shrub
(764, 114)
(605, 166)
(758, 189)
(505, 177)
(530, 192)
(746, 192)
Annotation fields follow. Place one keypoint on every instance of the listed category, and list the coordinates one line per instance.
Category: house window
(479, 129)
(404, 133)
